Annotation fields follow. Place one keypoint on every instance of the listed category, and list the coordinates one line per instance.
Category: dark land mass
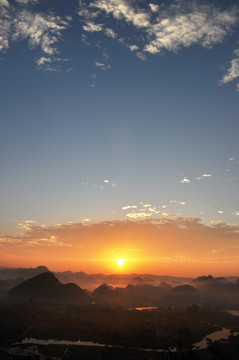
(43, 307)
(125, 333)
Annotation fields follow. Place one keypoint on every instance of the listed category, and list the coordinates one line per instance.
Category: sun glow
(120, 262)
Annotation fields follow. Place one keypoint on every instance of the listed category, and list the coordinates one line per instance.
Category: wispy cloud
(129, 207)
(185, 181)
(106, 183)
(175, 25)
(121, 9)
(43, 30)
(50, 63)
(92, 27)
(190, 23)
(102, 66)
(233, 70)
(133, 47)
(154, 7)
(203, 177)
(110, 33)
(138, 215)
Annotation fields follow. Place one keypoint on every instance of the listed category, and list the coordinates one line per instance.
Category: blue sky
(118, 110)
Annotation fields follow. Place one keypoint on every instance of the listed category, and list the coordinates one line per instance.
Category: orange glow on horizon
(176, 247)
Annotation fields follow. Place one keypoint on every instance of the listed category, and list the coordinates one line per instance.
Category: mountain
(165, 287)
(183, 295)
(203, 278)
(137, 281)
(7, 284)
(25, 273)
(217, 290)
(46, 286)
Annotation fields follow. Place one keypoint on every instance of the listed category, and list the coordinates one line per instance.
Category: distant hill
(91, 281)
(183, 295)
(46, 286)
(25, 273)
(7, 284)
(137, 281)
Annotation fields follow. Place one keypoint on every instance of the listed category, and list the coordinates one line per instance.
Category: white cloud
(25, 2)
(146, 205)
(233, 71)
(154, 7)
(141, 56)
(50, 63)
(204, 176)
(178, 24)
(185, 181)
(85, 12)
(40, 30)
(4, 3)
(92, 27)
(138, 215)
(129, 207)
(5, 24)
(121, 9)
(231, 158)
(133, 47)
(190, 24)
(102, 66)
(110, 33)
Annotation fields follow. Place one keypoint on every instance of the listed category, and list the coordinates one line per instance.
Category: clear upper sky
(118, 109)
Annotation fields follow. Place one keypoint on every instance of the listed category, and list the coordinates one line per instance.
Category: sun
(120, 262)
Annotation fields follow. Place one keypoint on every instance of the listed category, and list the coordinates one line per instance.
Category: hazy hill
(183, 295)
(7, 284)
(25, 273)
(217, 290)
(91, 281)
(46, 286)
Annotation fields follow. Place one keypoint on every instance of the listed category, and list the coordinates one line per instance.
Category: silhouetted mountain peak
(47, 286)
(42, 268)
(38, 283)
(203, 278)
(103, 289)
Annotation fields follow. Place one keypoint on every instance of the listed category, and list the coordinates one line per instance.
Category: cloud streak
(232, 72)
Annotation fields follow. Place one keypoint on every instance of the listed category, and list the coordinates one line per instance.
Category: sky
(119, 124)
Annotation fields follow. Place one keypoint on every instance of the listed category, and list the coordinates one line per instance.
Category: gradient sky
(125, 114)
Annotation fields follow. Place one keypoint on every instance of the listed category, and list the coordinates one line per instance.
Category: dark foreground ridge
(46, 287)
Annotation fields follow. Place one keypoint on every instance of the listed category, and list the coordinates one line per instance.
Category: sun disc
(120, 262)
